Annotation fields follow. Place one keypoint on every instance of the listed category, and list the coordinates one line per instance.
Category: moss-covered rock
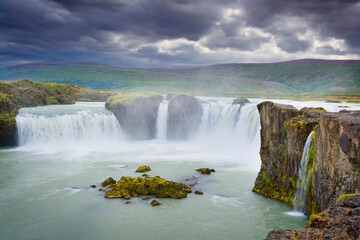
(107, 182)
(136, 113)
(143, 168)
(205, 170)
(128, 187)
(155, 203)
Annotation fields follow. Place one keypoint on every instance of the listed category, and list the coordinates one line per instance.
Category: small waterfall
(303, 179)
(161, 123)
(217, 116)
(249, 123)
(48, 126)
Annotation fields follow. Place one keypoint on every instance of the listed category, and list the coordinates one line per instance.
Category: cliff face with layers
(333, 162)
(284, 130)
(337, 161)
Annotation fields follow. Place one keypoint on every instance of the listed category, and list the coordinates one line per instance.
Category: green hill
(299, 76)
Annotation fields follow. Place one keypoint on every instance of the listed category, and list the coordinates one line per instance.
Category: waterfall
(161, 123)
(46, 125)
(303, 179)
(249, 123)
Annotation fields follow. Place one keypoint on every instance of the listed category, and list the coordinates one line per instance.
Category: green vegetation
(342, 197)
(125, 98)
(227, 79)
(128, 187)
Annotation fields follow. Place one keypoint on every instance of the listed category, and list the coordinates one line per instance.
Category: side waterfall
(304, 178)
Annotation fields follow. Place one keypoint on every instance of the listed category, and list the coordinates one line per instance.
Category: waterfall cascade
(91, 121)
(303, 179)
(39, 125)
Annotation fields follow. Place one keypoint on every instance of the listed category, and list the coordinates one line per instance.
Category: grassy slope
(303, 76)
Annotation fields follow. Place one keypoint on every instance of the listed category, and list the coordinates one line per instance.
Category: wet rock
(205, 170)
(109, 181)
(128, 187)
(184, 116)
(145, 175)
(337, 222)
(145, 198)
(93, 186)
(155, 203)
(143, 168)
(136, 113)
(128, 202)
(240, 101)
(198, 192)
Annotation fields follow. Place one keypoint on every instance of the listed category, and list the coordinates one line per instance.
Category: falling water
(304, 178)
(161, 120)
(39, 125)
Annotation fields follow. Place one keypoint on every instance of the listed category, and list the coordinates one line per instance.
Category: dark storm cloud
(332, 18)
(89, 30)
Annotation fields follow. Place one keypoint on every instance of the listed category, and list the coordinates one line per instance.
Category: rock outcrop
(136, 113)
(184, 116)
(284, 130)
(341, 221)
(333, 164)
(337, 165)
(240, 101)
(128, 187)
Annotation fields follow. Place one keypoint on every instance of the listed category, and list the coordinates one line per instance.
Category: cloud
(153, 33)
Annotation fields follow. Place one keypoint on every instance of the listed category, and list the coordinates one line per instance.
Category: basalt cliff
(333, 160)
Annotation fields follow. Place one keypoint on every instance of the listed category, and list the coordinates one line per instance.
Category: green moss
(205, 170)
(342, 197)
(128, 187)
(107, 182)
(272, 190)
(143, 168)
(125, 98)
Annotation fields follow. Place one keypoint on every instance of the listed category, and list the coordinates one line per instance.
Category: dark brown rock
(155, 203)
(337, 222)
(240, 101)
(205, 170)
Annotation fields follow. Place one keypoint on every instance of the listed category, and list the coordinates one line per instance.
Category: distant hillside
(299, 76)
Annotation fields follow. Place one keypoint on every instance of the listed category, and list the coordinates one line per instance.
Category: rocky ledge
(341, 221)
(333, 163)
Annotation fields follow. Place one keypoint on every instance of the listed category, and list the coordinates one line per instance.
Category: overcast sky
(162, 33)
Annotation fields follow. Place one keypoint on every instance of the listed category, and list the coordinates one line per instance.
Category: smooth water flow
(161, 123)
(45, 183)
(304, 178)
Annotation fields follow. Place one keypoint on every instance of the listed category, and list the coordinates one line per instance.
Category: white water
(161, 123)
(303, 179)
(44, 183)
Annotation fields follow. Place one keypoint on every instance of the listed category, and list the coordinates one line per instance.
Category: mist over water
(44, 183)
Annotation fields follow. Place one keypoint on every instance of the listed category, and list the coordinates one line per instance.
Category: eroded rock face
(184, 116)
(138, 116)
(337, 166)
(342, 221)
(284, 131)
